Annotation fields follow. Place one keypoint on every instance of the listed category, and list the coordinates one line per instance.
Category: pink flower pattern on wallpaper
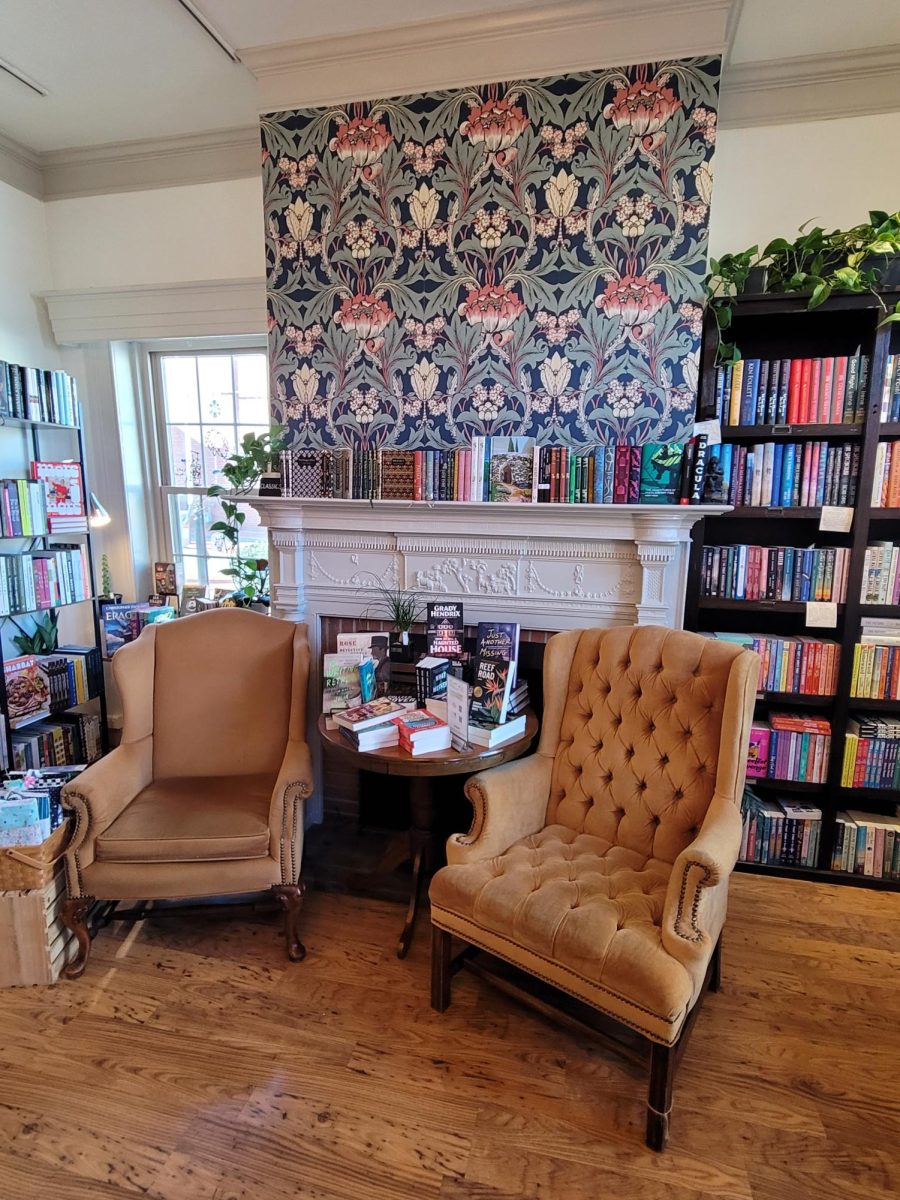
(515, 258)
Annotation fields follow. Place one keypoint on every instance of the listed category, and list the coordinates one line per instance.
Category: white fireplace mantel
(546, 566)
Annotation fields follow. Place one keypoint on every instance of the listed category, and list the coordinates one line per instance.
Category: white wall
(769, 180)
(25, 335)
(170, 235)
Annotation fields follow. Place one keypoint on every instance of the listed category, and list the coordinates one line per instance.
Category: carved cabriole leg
(715, 968)
(74, 917)
(659, 1101)
(440, 969)
(290, 897)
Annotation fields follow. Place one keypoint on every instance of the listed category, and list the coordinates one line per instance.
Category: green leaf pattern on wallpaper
(517, 258)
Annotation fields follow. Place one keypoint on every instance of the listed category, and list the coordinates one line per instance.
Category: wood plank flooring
(194, 1062)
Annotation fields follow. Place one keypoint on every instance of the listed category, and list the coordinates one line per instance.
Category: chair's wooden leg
(290, 897)
(74, 916)
(440, 969)
(715, 972)
(659, 1100)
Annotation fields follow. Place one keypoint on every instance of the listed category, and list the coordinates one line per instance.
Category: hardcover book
(164, 581)
(445, 630)
(490, 691)
(398, 470)
(63, 487)
(660, 472)
(117, 627)
(340, 681)
(431, 677)
(499, 640)
(190, 594)
(27, 688)
(511, 469)
(363, 716)
(366, 670)
(369, 645)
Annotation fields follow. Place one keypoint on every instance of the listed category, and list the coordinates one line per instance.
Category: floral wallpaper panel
(520, 258)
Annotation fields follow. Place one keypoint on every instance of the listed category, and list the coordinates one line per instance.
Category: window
(206, 402)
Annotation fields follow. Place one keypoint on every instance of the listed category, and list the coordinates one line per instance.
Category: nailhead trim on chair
(78, 809)
(696, 934)
(558, 966)
(304, 791)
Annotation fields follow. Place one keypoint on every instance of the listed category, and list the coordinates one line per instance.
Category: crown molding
(151, 163)
(205, 308)
(20, 167)
(455, 51)
(814, 87)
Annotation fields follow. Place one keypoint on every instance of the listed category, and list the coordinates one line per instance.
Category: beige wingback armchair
(204, 795)
(601, 863)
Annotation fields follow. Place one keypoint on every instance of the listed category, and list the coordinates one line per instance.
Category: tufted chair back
(651, 725)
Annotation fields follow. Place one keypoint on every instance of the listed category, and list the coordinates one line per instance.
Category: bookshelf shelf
(788, 433)
(770, 328)
(38, 448)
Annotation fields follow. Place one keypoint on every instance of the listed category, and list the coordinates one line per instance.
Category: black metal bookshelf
(47, 541)
(783, 327)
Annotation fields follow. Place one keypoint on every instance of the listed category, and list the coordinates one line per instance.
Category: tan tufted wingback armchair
(601, 863)
(204, 795)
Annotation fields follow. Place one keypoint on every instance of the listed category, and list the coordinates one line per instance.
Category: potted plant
(107, 596)
(43, 638)
(403, 608)
(258, 455)
(863, 259)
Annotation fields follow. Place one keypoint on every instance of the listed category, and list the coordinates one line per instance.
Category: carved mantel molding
(547, 566)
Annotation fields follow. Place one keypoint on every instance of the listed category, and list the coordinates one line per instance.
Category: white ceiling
(120, 70)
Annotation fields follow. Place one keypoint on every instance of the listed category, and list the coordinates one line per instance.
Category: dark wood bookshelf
(788, 433)
(770, 327)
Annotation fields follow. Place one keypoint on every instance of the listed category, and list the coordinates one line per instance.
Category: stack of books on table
(867, 844)
(782, 832)
(421, 732)
(871, 753)
(370, 726)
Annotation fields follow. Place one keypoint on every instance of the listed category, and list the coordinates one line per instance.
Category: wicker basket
(25, 867)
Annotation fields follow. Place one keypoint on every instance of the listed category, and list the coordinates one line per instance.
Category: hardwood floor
(194, 1062)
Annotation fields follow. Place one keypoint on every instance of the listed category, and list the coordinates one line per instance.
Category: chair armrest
(98, 795)
(697, 895)
(293, 785)
(510, 802)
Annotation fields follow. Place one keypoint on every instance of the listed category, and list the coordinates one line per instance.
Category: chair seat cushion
(586, 912)
(192, 820)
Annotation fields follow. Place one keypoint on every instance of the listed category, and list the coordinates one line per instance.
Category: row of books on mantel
(503, 470)
(876, 660)
(801, 665)
(33, 394)
(364, 680)
(789, 474)
(886, 476)
(779, 573)
(793, 391)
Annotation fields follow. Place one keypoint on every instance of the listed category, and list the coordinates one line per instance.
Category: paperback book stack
(370, 726)
(502, 470)
(789, 474)
(793, 391)
(867, 844)
(881, 574)
(804, 666)
(886, 476)
(23, 509)
(871, 753)
(782, 832)
(35, 395)
(790, 746)
(421, 732)
(785, 573)
(876, 660)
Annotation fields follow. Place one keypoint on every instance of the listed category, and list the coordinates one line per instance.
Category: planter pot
(887, 266)
(757, 279)
(400, 646)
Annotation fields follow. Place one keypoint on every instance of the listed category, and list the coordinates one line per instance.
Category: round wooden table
(423, 844)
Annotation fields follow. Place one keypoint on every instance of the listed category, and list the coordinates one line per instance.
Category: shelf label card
(821, 614)
(712, 429)
(835, 519)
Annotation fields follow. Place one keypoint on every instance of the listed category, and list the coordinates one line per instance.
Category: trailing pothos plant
(815, 264)
(258, 453)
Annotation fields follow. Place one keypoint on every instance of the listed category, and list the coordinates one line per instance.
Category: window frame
(162, 465)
